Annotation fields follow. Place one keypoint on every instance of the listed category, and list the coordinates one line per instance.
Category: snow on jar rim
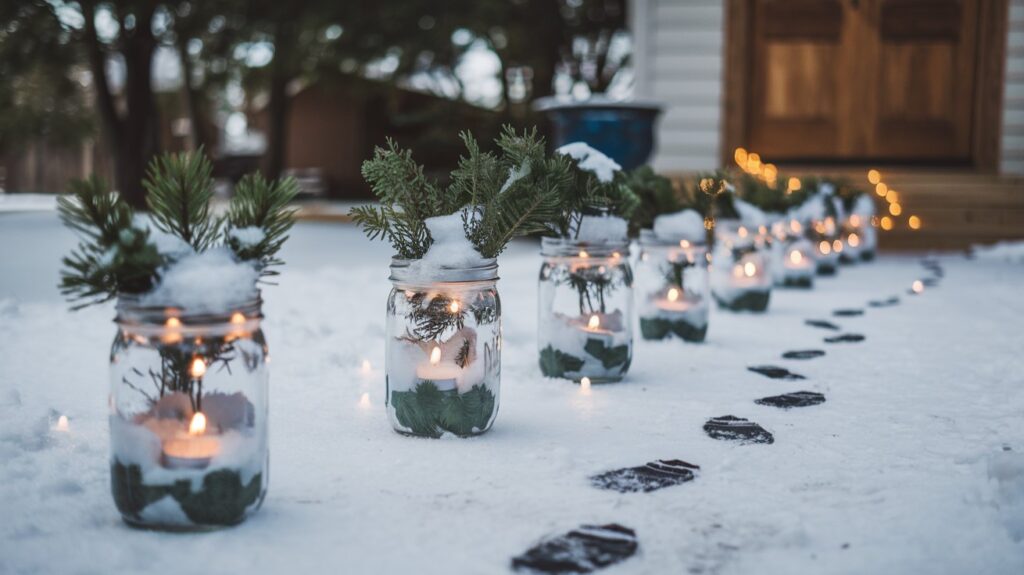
(407, 273)
(135, 317)
(568, 247)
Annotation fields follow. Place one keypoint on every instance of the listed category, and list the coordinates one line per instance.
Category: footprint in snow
(848, 312)
(650, 477)
(794, 399)
(775, 372)
(894, 300)
(845, 338)
(803, 354)
(822, 324)
(582, 550)
(730, 427)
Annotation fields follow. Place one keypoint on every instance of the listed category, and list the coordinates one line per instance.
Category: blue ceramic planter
(624, 131)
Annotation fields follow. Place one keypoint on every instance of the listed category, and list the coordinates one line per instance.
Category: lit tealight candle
(194, 450)
(441, 373)
(673, 301)
(594, 330)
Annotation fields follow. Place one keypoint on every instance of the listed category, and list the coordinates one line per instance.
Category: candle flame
(673, 294)
(824, 247)
(584, 254)
(917, 286)
(198, 368)
(62, 423)
(237, 318)
(796, 257)
(585, 386)
(198, 424)
(749, 269)
(684, 244)
(173, 323)
(853, 240)
(435, 355)
(454, 307)
(594, 322)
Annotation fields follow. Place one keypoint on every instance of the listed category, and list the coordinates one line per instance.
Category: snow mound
(514, 175)
(450, 248)
(1012, 251)
(864, 206)
(247, 237)
(167, 244)
(685, 225)
(212, 281)
(750, 214)
(591, 160)
(1006, 470)
(602, 229)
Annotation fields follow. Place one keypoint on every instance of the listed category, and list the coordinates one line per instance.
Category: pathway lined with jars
(897, 451)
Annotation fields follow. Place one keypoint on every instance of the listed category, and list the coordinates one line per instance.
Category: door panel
(862, 79)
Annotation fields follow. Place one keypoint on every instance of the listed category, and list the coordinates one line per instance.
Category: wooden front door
(862, 79)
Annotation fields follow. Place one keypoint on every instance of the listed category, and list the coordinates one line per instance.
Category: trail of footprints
(591, 547)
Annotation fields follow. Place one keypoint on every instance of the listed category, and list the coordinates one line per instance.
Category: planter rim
(594, 103)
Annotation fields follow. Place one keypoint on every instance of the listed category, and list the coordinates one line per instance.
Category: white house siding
(1013, 98)
(679, 60)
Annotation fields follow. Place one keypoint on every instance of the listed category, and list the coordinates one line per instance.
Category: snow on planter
(188, 366)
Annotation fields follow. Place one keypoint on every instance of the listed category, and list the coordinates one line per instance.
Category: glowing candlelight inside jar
(584, 254)
(237, 318)
(837, 246)
(443, 374)
(824, 247)
(795, 257)
(853, 240)
(594, 322)
(454, 307)
(172, 331)
(194, 450)
(198, 370)
(673, 294)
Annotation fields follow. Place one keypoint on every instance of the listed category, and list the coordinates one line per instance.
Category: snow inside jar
(860, 238)
(672, 278)
(824, 236)
(741, 278)
(585, 305)
(188, 414)
(443, 349)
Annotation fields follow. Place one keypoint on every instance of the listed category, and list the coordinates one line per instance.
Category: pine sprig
(259, 203)
(112, 257)
(586, 194)
(178, 192)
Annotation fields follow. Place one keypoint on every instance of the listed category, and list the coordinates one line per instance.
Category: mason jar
(741, 276)
(585, 310)
(824, 236)
(188, 415)
(674, 289)
(793, 264)
(443, 349)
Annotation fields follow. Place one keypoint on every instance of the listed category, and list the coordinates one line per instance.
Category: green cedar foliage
(587, 195)
(116, 256)
(656, 195)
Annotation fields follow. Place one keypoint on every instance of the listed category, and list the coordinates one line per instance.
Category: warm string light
(895, 209)
(874, 177)
(914, 222)
(885, 223)
(881, 189)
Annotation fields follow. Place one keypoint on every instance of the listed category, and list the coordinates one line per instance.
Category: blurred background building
(931, 92)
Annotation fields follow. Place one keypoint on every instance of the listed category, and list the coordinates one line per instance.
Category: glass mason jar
(585, 310)
(824, 236)
(672, 278)
(188, 415)
(443, 349)
(741, 278)
(793, 262)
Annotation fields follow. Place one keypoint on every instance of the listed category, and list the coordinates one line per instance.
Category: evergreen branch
(179, 189)
(261, 204)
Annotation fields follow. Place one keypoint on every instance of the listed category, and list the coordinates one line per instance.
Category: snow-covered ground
(915, 464)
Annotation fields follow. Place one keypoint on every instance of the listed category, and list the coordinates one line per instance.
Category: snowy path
(915, 463)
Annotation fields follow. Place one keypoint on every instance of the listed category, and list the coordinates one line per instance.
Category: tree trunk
(140, 135)
(194, 98)
(277, 111)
